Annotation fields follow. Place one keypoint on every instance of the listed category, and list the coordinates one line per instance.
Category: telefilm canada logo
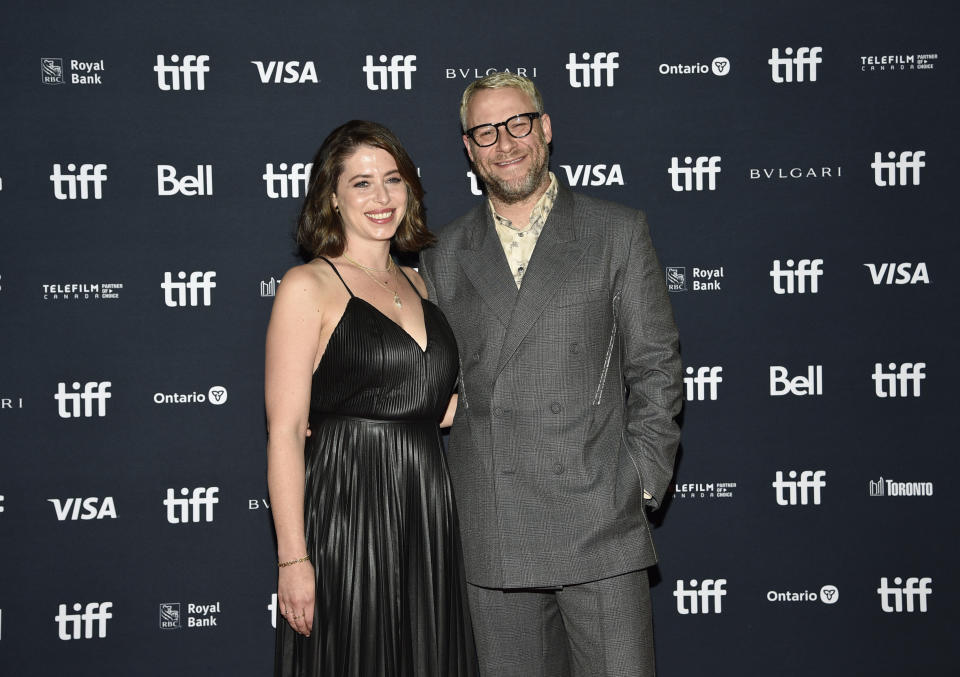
(700, 279)
(52, 71)
(719, 66)
(898, 63)
(215, 395)
(196, 616)
(688, 490)
(82, 291)
(828, 594)
(883, 488)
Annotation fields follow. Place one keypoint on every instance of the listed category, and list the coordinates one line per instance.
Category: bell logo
(287, 182)
(894, 172)
(692, 176)
(399, 64)
(595, 72)
(791, 68)
(180, 74)
(811, 384)
(700, 601)
(84, 508)
(175, 293)
(81, 625)
(188, 508)
(909, 598)
(286, 72)
(706, 381)
(69, 404)
(810, 482)
(90, 182)
(795, 281)
(908, 375)
(593, 175)
(169, 184)
(898, 273)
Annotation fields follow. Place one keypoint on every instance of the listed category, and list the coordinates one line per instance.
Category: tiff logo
(811, 481)
(183, 74)
(789, 68)
(898, 273)
(595, 73)
(187, 509)
(706, 381)
(175, 293)
(283, 183)
(698, 601)
(782, 384)
(94, 612)
(907, 374)
(887, 173)
(914, 589)
(795, 281)
(68, 404)
(399, 64)
(692, 176)
(90, 175)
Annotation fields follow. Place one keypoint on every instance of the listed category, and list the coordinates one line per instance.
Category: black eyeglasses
(518, 126)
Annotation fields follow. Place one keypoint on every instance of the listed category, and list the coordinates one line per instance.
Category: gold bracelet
(305, 558)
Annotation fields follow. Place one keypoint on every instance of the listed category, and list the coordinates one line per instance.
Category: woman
(371, 573)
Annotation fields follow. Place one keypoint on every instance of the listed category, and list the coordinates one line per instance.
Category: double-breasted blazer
(569, 391)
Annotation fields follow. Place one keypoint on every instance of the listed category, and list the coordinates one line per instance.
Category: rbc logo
(707, 379)
(789, 68)
(286, 72)
(187, 509)
(887, 173)
(811, 384)
(907, 374)
(603, 64)
(281, 184)
(399, 64)
(70, 508)
(90, 175)
(698, 601)
(175, 293)
(914, 589)
(94, 612)
(790, 281)
(811, 481)
(708, 166)
(181, 74)
(169, 184)
(68, 404)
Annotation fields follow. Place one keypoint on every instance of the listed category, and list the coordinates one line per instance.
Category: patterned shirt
(518, 244)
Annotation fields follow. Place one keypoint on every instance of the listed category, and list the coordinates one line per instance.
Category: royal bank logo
(82, 291)
(216, 395)
(700, 279)
(51, 70)
(90, 508)
(89, 621)
(905, 596)
(268, 288)
(676, 278)
(720, 66)
(696, 174)
(898, 170)
(799, 67)
(196, 616)
(702, 597)
(828, 594)
(800, 277)
(186, 73)
(196, 290)
(193, 506)
(287, 180)
(901, 380)
(701, 383)
(593, 175)
(898, 63)
(594, 71)
(805, 490)
(898, 273)
(86, 400)
(286, 72)
(468, 73)
(79, 183)
(394, 72)
(884, 487)
(709, 490)
(170, 616)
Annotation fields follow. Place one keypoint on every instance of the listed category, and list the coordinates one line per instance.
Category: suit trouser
(597, 629)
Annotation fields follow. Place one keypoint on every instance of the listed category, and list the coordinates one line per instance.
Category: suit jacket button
(497, 411)
(476, 357)
(556, 407)
(574, 347)
(558, 468)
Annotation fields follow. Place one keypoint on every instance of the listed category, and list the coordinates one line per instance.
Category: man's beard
(518, 190)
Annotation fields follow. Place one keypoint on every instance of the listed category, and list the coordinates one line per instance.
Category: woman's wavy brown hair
(319, 228)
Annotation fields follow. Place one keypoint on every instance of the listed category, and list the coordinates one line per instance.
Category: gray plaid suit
(569, 390)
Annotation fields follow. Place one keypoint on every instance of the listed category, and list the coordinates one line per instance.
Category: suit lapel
(486, 266)
(557, 253)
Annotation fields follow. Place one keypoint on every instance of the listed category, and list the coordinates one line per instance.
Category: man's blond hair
(500, 80)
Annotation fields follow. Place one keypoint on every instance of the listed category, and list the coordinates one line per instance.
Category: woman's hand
(296, 594)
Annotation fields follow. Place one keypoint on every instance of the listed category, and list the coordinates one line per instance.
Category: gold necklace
(367, 271)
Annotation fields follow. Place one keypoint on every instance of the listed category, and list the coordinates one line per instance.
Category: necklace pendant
(396, 300)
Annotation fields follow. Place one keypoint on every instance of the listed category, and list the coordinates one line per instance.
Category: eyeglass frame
(531, 116)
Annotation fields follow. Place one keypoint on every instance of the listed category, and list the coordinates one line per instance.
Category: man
(565, 430)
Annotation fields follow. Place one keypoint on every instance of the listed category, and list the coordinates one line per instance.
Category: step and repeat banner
(795, 163)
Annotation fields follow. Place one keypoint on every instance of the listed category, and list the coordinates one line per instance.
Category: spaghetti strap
(338, 274)
(409, 282)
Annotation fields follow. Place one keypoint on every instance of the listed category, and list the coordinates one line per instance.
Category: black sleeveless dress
(380, 519)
